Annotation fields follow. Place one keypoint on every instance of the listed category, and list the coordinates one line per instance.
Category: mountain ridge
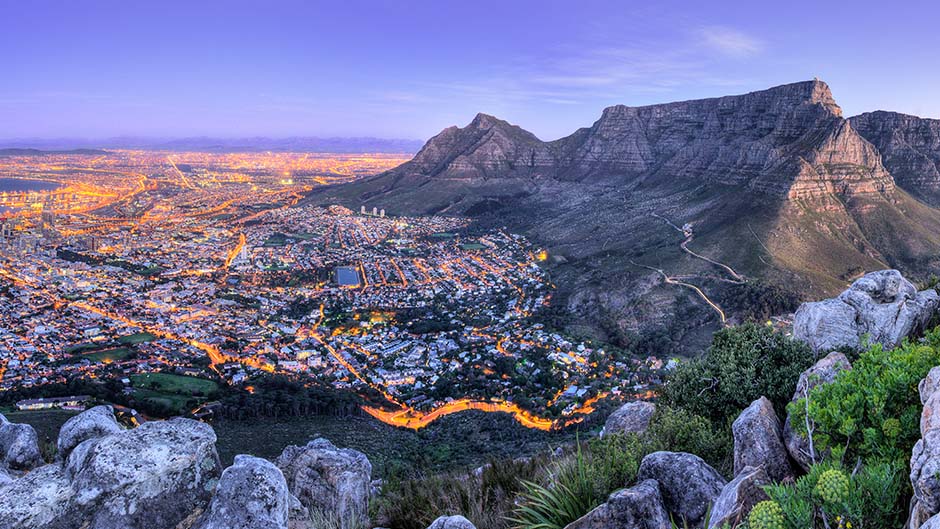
(775, 182)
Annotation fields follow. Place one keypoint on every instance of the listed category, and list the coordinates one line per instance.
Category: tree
(743, 364)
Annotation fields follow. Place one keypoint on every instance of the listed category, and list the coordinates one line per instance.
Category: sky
(407, 69)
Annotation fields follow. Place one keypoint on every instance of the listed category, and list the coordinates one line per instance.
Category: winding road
(686, 230)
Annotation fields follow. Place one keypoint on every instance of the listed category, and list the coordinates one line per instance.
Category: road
(672, 281)
(689, 235)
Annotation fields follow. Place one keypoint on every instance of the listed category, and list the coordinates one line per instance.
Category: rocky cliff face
(910, 147)
(789, 140)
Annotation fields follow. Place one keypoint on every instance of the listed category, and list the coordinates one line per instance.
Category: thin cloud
(731, 42)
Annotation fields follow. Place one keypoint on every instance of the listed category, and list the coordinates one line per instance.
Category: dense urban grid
(128, 264)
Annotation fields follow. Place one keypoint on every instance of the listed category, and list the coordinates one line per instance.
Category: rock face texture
(151, 477)
(789, 140)
(910, 149)
(925, 457)
(632, 417)
(758, 441)
(689, 486)
(252, 494)
(639, 507)
(451, 522)
(327, 478)
(19, 446)
(823, 372)
(739, 497)
(91, 424)
(882, 305)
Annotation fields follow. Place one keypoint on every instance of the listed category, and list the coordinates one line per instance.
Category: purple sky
(407, 69)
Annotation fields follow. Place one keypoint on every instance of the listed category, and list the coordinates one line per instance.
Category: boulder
(758, 441)
(5, 477)
(451, 522)
(93, 423)
(826, 325)
(639, 507)
(882, 305)
(689, 486)
(327, 478)
(823, 372)
(632, 417)
(19, 446)
(151, 477)
(251, 494)
(738, 497)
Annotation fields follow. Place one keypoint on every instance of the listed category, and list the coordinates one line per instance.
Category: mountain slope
(775, 183)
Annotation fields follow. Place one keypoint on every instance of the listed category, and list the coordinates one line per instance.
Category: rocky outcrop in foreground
(639, 507)
(327, 478)
(93, 423)
(823, 372)
(632, 417)
(451, 522)
(689, 486)
(19, 446)
(739, 497)
(758, 441)
(167, 475)
(150, 477)
(882, 305)
(925, 457)
(252, 494)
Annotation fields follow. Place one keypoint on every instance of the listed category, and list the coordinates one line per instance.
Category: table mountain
(777, 184)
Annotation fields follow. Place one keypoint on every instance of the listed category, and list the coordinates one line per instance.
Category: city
(149, 262)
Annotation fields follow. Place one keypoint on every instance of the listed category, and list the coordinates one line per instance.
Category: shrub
(766, 515)
(742, 364)
(871, 412)
(678, 430)
(570, 496)
(833, 486)
(827, 496)
(614, 462)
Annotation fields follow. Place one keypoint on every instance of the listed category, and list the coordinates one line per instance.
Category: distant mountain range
(38, 152)
(223, 145)
(776, 184)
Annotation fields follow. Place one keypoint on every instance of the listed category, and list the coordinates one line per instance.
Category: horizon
(141, 140)
(236, 71)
